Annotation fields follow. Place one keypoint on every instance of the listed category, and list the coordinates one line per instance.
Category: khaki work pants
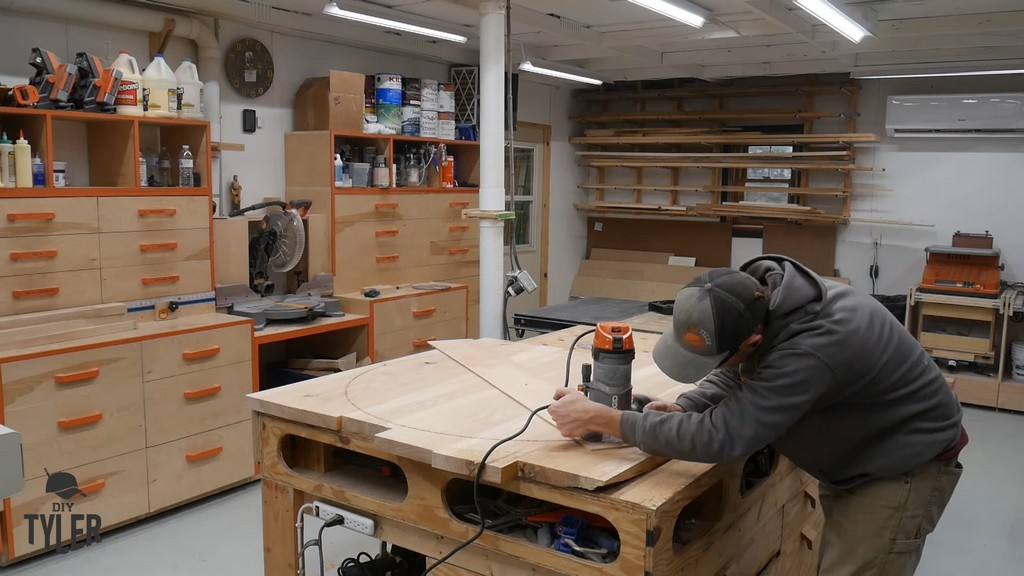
(879, 528)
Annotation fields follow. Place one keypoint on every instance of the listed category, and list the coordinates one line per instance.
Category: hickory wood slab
(432, 409)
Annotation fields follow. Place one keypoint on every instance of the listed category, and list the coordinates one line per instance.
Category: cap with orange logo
(712, 316)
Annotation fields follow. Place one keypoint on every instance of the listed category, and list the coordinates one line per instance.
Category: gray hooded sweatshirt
(838, 386)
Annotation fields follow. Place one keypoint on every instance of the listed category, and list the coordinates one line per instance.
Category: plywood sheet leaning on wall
(709, 242)
(631, 280)
(813, 246)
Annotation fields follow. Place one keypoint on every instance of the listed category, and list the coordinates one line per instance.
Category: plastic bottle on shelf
(22, 162)
(339, 171)
(38, 172)
(186, 166)
(143, 177)
(191, 91)
(164, 174)
(6, 161)
(161, 89)
(129, 93)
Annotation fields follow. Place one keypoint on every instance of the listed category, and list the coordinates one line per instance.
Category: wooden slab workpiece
(446, 412)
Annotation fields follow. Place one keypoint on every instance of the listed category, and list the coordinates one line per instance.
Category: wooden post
(280, 508)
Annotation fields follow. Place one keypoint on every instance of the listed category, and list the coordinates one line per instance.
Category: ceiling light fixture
(680, 10)
(939, 74)
(332, 9)
(829, 14)
(548, 69)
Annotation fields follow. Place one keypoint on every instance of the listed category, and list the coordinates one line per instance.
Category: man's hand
(662, 406)
(575, 415)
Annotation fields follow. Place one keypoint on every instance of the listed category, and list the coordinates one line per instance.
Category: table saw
(428, 419)
(590, 311)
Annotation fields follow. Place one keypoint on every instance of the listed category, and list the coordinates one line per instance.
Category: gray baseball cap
(713, 315)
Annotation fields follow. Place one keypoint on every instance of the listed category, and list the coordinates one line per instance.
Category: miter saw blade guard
(291, 308)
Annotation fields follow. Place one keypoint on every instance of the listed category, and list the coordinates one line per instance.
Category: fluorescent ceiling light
(829, 14)
(941, 74)
(677, 10)
(548, 69)
(331, 9)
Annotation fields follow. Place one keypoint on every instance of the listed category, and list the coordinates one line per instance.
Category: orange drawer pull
(458, 228)
(198, 354)
(422, 343)
(35, 292)
(69, 423)
(197, 394)
(208, 453)
(386, 206)
(158, 246)
(382, 233)
(424, 312)
(458, 204)
(34, 255)
(143, 212)
(388, 258)
(93, 487)
(458, 251)
(150, 280)
(76, 376)
(15, 217)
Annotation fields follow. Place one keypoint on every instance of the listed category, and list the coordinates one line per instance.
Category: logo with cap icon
(63, 484)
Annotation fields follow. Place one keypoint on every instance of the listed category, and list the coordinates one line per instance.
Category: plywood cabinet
(144, 420)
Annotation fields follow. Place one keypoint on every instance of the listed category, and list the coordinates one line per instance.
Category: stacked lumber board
(52, 327)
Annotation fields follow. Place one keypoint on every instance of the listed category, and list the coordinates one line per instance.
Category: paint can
(389, 101)
(428, 123)
(446, 125)
(410, 91)
(446, 97)
(428, 94)
(410, 120)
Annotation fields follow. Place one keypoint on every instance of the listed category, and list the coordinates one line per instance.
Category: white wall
(963, 184)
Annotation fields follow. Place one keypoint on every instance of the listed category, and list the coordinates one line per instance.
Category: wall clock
(250, 67)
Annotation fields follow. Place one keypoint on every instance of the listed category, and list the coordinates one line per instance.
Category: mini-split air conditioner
(956, 115)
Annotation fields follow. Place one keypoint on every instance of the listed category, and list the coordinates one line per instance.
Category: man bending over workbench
(828, 377)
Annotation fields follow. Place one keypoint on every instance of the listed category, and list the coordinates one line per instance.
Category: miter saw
(277, 247)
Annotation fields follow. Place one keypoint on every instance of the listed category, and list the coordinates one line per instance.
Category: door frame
(545, 143)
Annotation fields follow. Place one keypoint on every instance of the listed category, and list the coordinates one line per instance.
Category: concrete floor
(981, 533)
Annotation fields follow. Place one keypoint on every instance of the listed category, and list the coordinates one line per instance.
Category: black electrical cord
(510, 173)
(480, 469)
(504, 315)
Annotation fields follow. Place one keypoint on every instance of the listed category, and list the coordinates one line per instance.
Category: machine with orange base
(962, 271)
(613, 354)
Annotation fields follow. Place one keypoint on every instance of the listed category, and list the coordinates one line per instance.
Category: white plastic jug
(129, 93)
(191, 105)
(161, 89)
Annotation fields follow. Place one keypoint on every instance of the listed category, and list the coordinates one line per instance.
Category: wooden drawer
(458, 229)
(68, 378)
(419, 311)
(1011, 396)
(37, 292)
(391, 345)
(153, 213)
(116, 491)
(185, 405)
(375, 207)
(451, 205)
(196, 351)
(982, 391)
(354, 273)
(45, 254)
(155, 280)
(46, 216)
(199, 464)
(88, 421)
(118, 249)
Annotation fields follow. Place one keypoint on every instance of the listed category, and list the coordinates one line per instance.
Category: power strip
(353, 521)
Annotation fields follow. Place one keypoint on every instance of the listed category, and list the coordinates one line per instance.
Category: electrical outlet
(353, 521)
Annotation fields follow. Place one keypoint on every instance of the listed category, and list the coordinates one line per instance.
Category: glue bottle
(38, 172)
(6, 161)
(22, 162)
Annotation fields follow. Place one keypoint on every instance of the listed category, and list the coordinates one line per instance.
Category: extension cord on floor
(376, 567)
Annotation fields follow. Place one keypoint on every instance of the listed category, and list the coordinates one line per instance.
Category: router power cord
(477, 480)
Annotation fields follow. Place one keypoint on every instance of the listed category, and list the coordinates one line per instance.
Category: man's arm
(784, 388)
(710, 391)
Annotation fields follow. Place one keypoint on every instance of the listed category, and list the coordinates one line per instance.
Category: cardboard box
(333, 102)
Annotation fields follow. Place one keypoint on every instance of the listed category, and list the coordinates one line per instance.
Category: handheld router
(612, 381)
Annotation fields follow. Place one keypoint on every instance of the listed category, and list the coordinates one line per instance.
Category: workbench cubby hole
(358, 150)
(154, 135)
(757, 468)
(99, 151)
(699, 516)
(338, 344)
(532, 520)
(354, 472)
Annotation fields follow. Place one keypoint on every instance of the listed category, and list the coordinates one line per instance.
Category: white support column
(492, 166)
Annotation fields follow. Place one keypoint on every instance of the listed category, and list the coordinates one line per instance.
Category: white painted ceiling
(621, 41)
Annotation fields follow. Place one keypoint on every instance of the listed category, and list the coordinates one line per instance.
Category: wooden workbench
(433, 416)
